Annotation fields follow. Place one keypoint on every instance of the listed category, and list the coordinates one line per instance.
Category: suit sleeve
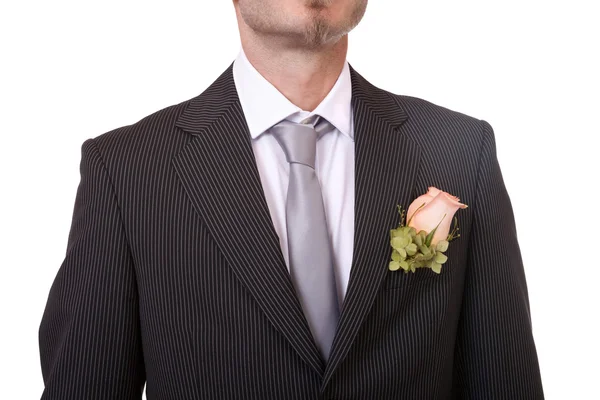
(495, 354)
(89, 335)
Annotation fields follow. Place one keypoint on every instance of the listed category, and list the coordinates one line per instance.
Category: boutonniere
(426, 236)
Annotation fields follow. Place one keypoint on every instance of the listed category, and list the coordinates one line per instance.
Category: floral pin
(426, 236)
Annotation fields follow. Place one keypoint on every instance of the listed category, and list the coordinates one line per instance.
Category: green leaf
(400, 242)
(404, 265)
(394, 266)
(402, 253)
(424, 250)
(430, 236)
(396, 256)
(412, 231)
(418, 240)
(440, 258)
(436, 267)
(411, 249)
(442, 245)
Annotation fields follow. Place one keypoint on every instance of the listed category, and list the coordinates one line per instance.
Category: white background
(71, 70)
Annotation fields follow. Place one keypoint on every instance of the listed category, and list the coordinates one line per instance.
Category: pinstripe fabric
(173, 273)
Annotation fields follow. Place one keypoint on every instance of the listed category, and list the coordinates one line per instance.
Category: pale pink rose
(437, 203)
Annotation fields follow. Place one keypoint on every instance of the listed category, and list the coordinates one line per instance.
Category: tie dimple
(301, 146)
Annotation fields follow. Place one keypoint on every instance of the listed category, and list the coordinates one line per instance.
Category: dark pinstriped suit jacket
(173, 273)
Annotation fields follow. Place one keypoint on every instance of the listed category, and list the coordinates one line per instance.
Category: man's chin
(316, 40)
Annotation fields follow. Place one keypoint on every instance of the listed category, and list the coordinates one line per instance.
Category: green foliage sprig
(412, 249)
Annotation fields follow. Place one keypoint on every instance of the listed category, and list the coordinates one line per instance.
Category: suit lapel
(219, 173)
(386, 164)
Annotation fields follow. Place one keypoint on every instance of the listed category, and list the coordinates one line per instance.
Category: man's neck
(303, 76)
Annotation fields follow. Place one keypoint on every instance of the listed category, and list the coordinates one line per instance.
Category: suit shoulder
(145, 146)
(424, 111)
(151, 128)
(450, 144)
(431, 120)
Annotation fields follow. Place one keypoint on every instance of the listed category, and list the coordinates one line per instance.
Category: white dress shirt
(263, 107)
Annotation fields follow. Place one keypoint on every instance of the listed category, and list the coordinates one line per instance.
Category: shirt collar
(264, 105)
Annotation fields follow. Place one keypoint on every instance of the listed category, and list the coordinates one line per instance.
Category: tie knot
(299, 140)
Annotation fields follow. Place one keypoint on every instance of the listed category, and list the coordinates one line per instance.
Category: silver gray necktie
(310, 253)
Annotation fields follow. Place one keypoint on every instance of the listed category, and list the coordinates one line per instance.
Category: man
(236, 245)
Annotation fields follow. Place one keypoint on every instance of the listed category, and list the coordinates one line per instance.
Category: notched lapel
(386, 166)
(218, 171)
